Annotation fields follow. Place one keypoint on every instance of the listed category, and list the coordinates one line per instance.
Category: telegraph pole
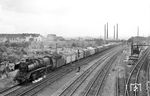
(56, 48)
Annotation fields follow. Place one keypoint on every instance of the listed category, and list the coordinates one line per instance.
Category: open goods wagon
(92, 50)
(70, 57)
(80, 54)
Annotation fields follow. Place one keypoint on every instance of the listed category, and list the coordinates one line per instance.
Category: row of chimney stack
(106, 32)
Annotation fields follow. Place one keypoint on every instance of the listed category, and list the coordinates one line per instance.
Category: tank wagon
(32, 69)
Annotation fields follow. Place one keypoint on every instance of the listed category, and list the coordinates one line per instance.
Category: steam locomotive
(32, 69)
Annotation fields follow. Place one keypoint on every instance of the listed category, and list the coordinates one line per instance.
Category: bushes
(12, 54)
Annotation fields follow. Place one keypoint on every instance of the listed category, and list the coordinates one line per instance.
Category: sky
(75, 18)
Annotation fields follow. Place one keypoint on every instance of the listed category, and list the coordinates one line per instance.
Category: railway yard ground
(58, 86)
(103, 75)
(7, 82)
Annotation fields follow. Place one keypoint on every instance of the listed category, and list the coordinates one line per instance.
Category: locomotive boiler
(32, 69)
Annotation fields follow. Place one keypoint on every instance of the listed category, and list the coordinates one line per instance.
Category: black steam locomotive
(32, 69)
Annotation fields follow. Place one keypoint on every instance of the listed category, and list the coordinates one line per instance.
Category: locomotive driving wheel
(33, 77)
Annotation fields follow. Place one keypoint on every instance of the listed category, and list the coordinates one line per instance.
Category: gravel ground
(58, 86)
(117, 71)
(83, 86)
(7, 82)
(109, 88)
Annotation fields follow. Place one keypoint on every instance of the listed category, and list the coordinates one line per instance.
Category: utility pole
(56, 48)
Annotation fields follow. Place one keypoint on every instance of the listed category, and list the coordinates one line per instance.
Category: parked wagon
(86, 52)
(58, 60)
(96, 50)
(70, 57)
(74, 57)
(80, 54)
(100, 48)
(92, 50)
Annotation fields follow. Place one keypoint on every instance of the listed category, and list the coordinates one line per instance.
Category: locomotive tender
(32, 69)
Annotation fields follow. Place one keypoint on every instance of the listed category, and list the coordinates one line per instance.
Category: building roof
(18, 35)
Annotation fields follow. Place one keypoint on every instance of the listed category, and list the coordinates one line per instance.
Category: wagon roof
(55, 55)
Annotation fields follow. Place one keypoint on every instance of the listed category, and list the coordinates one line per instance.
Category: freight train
(32, 69)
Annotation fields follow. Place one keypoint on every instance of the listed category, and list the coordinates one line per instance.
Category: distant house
(3, 39)
(38, 38)
(53, 37)
(17, 38)
(60, 38)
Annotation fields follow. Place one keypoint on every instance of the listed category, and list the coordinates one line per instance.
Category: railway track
(98, 78)
(3, 91)
(132, 83)
(95, 87)
(52, 77)
(21, 91)
(117, 84)
(121, 78)
(148, 79)
(120, 86)
(34, 90)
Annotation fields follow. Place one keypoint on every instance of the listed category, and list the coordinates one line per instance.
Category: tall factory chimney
(107, 30)
(138, 31)
(114, 33)
(117, 32)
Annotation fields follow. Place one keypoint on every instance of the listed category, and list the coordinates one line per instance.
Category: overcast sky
(73, 18)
